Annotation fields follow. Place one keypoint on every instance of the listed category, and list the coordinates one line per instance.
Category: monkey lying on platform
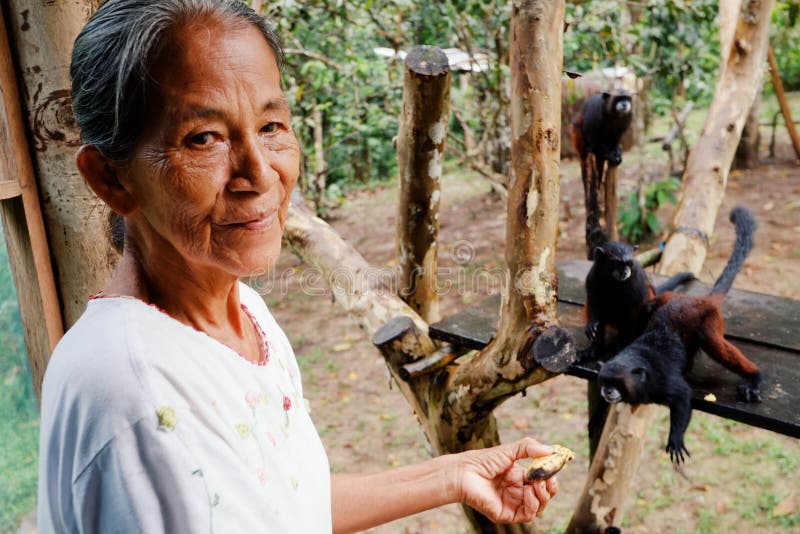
(652, 369)
(617, 288)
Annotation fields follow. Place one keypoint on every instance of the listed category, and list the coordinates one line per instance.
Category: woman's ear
(103, 176)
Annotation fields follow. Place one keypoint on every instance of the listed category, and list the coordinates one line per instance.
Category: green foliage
(674, 44)
(785, 40)
(19, 431)
(332, 68)
(637, 219)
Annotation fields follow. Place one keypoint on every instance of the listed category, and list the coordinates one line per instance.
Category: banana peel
(543, 467)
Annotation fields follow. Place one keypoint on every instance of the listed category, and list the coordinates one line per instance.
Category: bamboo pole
(782, 102)
(24, 228)
(420, 153)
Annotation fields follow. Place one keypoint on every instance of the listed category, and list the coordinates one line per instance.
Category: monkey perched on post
(596, 132)
(652, 369)
(617, 289)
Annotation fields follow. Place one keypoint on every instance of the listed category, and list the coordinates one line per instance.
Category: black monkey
(596, 129)
(617, 288)
(652, 369)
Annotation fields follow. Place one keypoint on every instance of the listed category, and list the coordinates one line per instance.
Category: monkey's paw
(591, 330)
(677, 450)
(615, 157)
(748, 393)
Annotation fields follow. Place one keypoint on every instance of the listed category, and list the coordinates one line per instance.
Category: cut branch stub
(428, 365)
(554, 350)
(401, 342)
(420, 151)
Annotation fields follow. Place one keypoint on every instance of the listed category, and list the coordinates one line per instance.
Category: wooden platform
(765, 328)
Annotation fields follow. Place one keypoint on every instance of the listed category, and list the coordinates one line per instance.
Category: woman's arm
(487, 480)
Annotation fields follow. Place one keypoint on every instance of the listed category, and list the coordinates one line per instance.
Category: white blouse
(151, 426)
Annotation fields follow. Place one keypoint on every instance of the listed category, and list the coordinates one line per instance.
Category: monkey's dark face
(624, 378)
(618, 259)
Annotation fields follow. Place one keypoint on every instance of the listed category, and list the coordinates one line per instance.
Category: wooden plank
(9, 189)
(20, 254)
(474, 327)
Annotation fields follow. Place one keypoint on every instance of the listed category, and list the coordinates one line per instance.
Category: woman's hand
(491, 482)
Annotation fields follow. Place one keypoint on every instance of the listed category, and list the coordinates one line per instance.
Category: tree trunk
(710, 159)
(42, 34)
(455, 402)
(746, 156)
(704, 180)
(420, 152)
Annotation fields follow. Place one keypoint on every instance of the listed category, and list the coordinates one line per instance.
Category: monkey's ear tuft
(606, 95)
(600, 250)
(635, 248)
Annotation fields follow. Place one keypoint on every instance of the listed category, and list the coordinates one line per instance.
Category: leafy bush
(637, 219)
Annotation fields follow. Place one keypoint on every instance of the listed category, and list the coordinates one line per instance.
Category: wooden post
(618, 452)
(420, 152)
(782, 102)
(42, 34)
(23, 226)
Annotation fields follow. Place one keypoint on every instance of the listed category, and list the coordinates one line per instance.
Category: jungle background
(343, 77)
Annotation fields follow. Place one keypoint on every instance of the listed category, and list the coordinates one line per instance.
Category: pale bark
(43, 33)
(420, 153)
(710, 159)
(618, 452)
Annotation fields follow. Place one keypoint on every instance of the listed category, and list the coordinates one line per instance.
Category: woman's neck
(203, 300)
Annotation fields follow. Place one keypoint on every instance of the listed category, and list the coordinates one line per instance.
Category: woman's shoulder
(101, 337)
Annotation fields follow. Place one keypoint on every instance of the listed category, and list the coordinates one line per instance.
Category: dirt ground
(367, 425)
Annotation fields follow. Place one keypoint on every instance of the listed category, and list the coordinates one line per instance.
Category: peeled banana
(544, 467)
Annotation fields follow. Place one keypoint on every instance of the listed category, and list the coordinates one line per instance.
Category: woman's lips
(254, 225)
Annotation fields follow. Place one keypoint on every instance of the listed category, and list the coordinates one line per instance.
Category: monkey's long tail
(745, 228)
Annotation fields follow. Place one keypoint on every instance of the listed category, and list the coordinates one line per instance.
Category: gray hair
(112, 56)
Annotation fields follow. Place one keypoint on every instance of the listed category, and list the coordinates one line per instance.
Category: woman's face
(214, 169)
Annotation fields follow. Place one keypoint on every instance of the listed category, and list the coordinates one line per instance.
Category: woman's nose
(253, 168)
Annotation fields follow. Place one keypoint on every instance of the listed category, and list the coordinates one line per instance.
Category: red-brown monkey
(596, 129)
(652, 369)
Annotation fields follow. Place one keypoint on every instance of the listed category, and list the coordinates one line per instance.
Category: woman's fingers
(542, 495)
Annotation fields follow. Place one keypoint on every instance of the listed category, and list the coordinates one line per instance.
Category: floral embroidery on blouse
(167, 418)
(243, 430)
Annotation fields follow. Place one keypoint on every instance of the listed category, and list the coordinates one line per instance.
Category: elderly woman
(175, 404)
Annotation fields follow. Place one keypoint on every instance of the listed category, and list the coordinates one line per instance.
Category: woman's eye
(204, 138)
(270, 127)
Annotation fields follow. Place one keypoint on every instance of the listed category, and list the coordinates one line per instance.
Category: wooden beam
(9, 189)
(42, 35)
(24, 228)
